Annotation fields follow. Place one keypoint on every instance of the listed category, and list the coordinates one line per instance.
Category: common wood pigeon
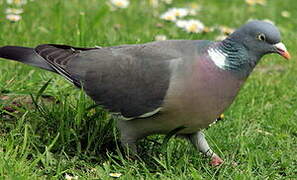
(158, 87)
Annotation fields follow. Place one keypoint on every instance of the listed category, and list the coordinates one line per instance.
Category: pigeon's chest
(213, 90)
(199, 97)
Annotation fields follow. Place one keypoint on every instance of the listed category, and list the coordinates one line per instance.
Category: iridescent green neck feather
(237, 58)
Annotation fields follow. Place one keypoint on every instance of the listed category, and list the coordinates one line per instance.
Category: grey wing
(131, 80)
(57, 56)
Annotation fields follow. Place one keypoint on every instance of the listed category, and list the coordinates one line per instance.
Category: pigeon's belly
(198, 101)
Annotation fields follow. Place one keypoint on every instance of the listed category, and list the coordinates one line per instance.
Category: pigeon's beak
(282, 50)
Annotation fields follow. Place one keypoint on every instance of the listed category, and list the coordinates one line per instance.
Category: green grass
(48, 137)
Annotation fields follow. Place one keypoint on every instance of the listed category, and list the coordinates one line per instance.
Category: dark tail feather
(24, 55)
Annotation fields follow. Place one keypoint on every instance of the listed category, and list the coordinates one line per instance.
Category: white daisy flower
(13, 11)
(174, 13)
(179, 12)
(160, 37)
(181, 23)
(194, 26)
(120, 3)
(115, 175)
(226, 30)
(168, 16)
(286, 14)
(208, 29)
(191, 26)
(17, 2)
(13, 17)
(68, 177)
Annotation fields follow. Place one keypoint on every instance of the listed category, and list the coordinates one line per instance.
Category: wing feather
(130, 79)
(57, 56)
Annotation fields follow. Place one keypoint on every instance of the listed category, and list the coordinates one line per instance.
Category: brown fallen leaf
(11, 102)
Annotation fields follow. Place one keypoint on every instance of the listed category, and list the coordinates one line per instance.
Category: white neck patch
(218, 57)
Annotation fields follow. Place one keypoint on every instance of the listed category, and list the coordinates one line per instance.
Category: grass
(47, 137)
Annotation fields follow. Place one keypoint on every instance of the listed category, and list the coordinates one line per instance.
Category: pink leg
(216, 160)
(199, 141)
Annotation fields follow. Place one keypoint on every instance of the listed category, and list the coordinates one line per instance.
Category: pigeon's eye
(261, 37)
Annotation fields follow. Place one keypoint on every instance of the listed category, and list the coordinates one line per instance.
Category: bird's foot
(216, 161)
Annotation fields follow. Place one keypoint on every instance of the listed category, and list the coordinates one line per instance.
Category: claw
(216, 161)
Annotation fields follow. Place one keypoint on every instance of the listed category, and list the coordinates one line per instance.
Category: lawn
(51, 130)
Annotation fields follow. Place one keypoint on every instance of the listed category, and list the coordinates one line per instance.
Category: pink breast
(203, 96)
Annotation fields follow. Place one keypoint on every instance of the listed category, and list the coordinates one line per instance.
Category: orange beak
(282, 50)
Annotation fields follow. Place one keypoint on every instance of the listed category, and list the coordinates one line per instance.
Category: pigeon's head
(260, 38)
